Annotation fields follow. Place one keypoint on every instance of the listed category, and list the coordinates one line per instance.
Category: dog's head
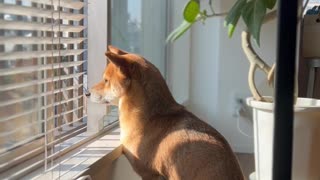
(122, 70)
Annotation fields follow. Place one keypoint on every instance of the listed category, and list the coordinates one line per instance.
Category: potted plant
(306, 159)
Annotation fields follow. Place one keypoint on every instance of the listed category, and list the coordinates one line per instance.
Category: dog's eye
(105, 80)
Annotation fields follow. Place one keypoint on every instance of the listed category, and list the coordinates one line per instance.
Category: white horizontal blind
(41, 79)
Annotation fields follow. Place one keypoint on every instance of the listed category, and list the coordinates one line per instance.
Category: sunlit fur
(161, 139)
(108, 90)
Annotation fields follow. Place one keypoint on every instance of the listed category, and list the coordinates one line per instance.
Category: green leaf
(191, 11)
(269, 3)
(253, 14)
(179, 31)
(233, 16)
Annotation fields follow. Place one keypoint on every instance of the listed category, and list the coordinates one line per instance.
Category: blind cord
(52, 93)
(60, 83)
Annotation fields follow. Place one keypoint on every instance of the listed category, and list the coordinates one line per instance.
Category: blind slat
(37, 82)
(34, 96)
(16, 115)
(38, 54)
(5, 161)
(21, 143)
(33, 26)
(63, 3)
(31, 11)
(39, 40)
(63, 137)
(40, 122)
(29, 111)
(27, 69)
(68, 124)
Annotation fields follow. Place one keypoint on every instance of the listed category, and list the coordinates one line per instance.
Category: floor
(247, 163)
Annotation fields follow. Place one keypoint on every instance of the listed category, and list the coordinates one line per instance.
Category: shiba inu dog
(161, 139)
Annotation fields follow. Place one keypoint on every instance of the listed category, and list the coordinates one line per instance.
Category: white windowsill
(78, 161)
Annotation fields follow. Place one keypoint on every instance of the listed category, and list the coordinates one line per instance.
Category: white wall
(178, 64)
(219, 73)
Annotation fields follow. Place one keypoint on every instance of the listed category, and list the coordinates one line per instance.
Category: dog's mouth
(97, 99)
(93, 97)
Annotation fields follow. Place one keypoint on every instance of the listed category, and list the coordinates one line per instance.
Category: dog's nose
(86, 91)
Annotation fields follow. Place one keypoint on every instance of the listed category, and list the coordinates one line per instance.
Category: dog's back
(161, 139)
(181, 146)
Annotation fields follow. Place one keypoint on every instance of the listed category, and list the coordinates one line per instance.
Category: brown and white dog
(161, 139)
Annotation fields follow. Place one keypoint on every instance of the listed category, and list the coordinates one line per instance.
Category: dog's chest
(138, 155)
(141, 151)
(131, 141)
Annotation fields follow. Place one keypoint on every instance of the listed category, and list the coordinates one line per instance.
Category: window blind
(42, 62)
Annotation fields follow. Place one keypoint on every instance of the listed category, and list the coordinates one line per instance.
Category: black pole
(284, 91)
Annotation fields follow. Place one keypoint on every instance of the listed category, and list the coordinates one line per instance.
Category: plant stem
(270, 16)
(217, 14)
(210, 4)
(252, 56)
(213, 12)
(255, 60)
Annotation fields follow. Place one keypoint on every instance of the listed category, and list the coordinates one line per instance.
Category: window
(140, 26)
(50, 53)
(41, 73)
(312, 4)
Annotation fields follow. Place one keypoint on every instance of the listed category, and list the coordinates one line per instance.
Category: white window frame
(97, 43)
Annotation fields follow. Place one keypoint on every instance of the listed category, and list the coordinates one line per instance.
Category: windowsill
(104, 147)
(89, 150)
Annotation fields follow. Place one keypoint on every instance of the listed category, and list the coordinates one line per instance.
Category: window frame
(35, 148)
(98, 37)
(98, 40)
(95, 112)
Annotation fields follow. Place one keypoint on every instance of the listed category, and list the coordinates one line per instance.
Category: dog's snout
(86, 91)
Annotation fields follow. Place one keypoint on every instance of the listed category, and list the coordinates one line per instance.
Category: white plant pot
(306, 144)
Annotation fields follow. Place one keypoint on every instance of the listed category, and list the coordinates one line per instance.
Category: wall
(219, 73)
(178, 64)
(153, 32)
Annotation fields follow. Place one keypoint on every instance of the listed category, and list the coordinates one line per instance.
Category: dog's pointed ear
(116, 50)
(122, 61)
(117, 59)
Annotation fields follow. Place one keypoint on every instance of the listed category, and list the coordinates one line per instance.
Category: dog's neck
(144, 109)
(140, 106)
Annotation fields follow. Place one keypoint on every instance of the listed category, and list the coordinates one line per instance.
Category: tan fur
(161, 139)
